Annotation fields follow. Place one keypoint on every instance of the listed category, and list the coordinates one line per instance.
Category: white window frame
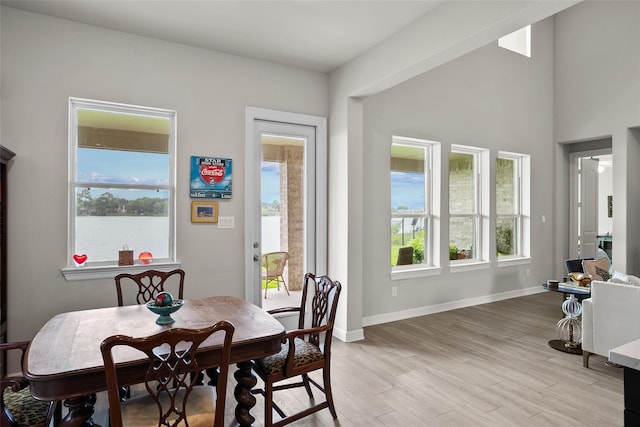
(110, 269)
(431, 214)
(522, 163)
(480, 214)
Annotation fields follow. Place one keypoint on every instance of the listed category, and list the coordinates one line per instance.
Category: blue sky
(122, 167)
(119, 167)
(407, 189)
(270, 182)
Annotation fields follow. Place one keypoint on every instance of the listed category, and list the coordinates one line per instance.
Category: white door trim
(252, 193)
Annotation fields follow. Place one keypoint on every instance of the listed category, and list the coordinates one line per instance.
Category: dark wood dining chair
(19, 408)
(149, 283)
(304, 350)
(143, 287)
(173, 396)
(273, 264)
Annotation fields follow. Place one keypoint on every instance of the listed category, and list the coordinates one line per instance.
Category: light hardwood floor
(487, 365)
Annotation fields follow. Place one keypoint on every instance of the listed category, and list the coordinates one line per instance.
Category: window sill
(413, 272)
(460, 266)
(110, 271)
(508, 262)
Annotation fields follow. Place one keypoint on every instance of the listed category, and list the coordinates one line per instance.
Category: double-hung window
(468, 207)
(414, 205)
(512, 205)
(121, 181)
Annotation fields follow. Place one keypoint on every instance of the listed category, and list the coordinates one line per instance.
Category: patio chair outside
(273, 264)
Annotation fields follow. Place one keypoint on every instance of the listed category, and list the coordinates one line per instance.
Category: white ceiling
(317, 35)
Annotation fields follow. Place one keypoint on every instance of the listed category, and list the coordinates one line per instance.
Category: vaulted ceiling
(317, 35)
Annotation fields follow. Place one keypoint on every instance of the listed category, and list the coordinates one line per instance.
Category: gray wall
(597, 95)
(493, 99)
(46, 60)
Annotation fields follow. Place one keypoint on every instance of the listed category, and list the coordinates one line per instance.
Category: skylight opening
(519, 41)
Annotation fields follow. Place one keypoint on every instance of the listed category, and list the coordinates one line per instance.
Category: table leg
(245, 382)
(80, 411)
(569, 329)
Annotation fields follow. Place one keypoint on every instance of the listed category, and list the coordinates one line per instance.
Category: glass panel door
(283, 219)
(281, 222)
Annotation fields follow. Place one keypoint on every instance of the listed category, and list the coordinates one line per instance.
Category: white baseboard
(437, 308)
(348, 336)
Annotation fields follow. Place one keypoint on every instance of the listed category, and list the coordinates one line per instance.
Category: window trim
(431, 214)
(110, 268)
(523, 166)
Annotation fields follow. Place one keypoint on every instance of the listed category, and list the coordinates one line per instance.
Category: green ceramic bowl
(164, 313)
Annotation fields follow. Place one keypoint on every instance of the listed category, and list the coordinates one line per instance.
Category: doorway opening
(591, 207)
(286, 200)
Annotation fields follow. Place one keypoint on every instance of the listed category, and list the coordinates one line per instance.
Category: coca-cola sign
(210, 178)
(211, 174)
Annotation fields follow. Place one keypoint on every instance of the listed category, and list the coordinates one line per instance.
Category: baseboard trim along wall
(437, 308)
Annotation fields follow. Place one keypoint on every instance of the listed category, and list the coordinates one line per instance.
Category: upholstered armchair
(610, 318)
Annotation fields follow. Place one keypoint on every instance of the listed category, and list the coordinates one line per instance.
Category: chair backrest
(172, 359)
(149, 284)
(323, 306)
(575, 265)
(405, 255)
(274, 263)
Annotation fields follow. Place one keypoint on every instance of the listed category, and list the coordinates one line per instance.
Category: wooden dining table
(64, 362)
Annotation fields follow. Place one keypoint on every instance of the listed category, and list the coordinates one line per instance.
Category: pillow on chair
(598, 269)
(625, 279)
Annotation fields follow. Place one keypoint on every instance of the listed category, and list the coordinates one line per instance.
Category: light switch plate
(226, 222)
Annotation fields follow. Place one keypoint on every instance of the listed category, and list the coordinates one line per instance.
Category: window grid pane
(507, 235)
(463, 232)
(462, 184)
(506, 187)
(409, 232)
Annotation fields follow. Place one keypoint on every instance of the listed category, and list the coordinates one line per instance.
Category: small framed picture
(204, 211)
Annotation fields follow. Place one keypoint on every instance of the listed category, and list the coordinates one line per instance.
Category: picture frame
(204, 211)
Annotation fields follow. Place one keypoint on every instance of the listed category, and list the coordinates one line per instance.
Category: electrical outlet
(394, 291)
(226, 222)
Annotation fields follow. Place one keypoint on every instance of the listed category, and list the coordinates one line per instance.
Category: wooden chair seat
(142, 410)
(305, 354)
(18, 407)
(171, 379)
(25, 410)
